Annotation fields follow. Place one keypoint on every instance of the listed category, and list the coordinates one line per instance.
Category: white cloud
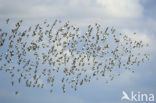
(72, 8)
(79, 2)
(122, 8)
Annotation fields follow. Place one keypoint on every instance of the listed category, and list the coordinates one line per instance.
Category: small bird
(16, 93)
(7, 21)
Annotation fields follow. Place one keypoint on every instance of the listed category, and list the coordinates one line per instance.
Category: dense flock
(46, 54)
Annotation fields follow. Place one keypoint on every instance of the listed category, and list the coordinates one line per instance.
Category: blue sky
(127, 16)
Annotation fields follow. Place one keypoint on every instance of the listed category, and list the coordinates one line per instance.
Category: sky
(126, 16)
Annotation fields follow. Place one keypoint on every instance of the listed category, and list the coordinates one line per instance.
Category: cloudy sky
(127, 16)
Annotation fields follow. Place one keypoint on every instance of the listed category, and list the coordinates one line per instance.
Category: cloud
(72, 8)
(122, 8)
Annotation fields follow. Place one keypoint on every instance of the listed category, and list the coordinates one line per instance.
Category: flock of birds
(58, 53)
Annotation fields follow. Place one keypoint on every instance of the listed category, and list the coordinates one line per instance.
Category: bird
(7, 21)
(16, 93)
